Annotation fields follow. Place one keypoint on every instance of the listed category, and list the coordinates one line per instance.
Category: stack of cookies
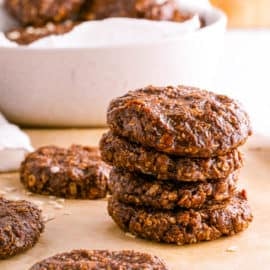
(176, 164)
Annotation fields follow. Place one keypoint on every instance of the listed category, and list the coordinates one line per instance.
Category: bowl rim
(220, 20)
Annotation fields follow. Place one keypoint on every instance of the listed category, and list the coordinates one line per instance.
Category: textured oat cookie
(146, 191)
(29, 34)
(38, 13)
(133, 157)
(145, 9)
(183, 226)
(101, 260)
(20, 227)
(75, 172)
(180, 120)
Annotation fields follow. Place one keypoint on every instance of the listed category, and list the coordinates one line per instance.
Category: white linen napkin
(14, 144)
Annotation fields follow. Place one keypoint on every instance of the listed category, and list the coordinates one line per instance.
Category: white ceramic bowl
(73, 86)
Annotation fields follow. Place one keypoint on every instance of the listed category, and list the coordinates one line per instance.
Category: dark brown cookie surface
(29, 34)
(20, 227)
(183, 226)
(101, 260)
(38, 13)
(101, 9)
(133, 157)
(180, 120)
(75, 172)
(145, 9)
(146, 191)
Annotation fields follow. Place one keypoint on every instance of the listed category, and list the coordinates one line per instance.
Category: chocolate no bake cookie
(76, 172)
(146, 191)
(20, 227)
(144, 9)
(101, 259)
(183, 226)
(180, 120)
(29, 34)
(38, 13)
(133, 157)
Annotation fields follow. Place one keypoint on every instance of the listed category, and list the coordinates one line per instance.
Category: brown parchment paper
(85, 224)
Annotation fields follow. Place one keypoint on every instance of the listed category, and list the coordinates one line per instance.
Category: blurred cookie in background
(29, 34)
(145, 9)
(76, 172)
(38, 13)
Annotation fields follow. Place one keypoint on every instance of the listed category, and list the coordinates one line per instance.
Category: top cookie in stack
(160, 139)
(181, 121)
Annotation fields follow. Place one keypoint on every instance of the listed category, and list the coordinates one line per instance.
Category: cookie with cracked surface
(183, 226)
(76, 172)
(20, 227)
(146, 191)
(38, 13)
(133, 157)
(101, 260)
(181, 120)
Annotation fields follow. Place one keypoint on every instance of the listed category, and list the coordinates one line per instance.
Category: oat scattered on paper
(58, 206)
(48, 217)
(128, 234)
(10, 189)
(60, 200)
(232, 249)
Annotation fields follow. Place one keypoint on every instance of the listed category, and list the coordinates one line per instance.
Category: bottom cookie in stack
(183, 226)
